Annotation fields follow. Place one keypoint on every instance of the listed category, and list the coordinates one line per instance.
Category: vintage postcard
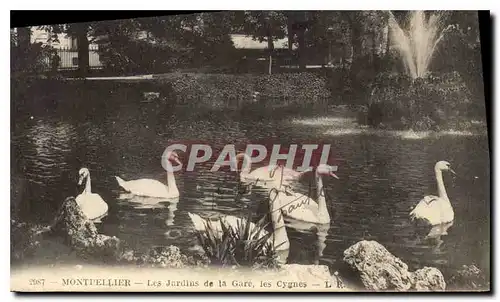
(318, 151)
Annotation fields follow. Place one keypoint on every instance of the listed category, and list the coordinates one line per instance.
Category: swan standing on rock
(154, 188)
(436, 209)
(272, 176)
(92, 205)
(279, 238)
(302, 207)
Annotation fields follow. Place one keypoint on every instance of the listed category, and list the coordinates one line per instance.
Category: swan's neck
(172, 185)
(322, 209)
(440, 185)
(247, 162)
(88, 189)
(280, 237)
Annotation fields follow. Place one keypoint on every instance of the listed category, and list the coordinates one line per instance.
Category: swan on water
(279, 238)
(271, 176)
(435, 209)
(302, 207)
(154, 188)
(92, 205)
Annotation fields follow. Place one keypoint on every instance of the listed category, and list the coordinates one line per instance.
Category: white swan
(272, 176)
(279, 238)
(435, 209)
(151, 187)
(302, 207)
(92, 205)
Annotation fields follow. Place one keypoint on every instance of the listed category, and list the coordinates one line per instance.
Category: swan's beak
(333, 175)
(452, 172)
(176, 159)
(80, 180)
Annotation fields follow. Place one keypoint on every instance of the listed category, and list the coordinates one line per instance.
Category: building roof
(247, 42)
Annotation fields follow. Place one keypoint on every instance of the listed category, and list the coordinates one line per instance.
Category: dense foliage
(32, 60)
(432, 103)
(222, 90)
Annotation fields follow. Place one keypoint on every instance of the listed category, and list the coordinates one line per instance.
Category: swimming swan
(279, 238)
(92, 205)
(151, 187)
(435, 209)
(302, 207)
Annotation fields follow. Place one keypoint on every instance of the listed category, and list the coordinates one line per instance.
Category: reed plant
(243, 245)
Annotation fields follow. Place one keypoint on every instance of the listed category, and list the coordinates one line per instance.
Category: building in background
(67, 49)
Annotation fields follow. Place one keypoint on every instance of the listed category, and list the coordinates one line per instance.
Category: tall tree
(265, 26)
(327, 34)
(80, 32)
(300, 22)
(23, 37)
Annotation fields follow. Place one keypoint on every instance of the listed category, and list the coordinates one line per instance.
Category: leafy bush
(240, 245)
(470, 277)
(25, 239)
(135, 56)
(431, 103)
(31, 61)
(225, 90)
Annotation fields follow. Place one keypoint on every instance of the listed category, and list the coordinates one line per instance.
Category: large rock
(80, 233)
(378, 269)
(428, 279)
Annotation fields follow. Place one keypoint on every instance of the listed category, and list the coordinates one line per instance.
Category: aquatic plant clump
(240, 246)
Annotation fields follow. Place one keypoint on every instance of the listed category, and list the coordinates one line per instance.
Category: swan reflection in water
(141, 202)
(433, 238)
(429, 237)
(321, 231)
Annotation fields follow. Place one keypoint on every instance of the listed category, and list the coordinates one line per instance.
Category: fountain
(417, 100)
(418, 44)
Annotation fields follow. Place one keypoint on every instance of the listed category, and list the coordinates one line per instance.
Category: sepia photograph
(251, 151)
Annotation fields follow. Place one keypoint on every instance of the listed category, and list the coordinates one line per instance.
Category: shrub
(224, 90)
(431, 103)
(25, 239)
(240, 245)
(30, 62)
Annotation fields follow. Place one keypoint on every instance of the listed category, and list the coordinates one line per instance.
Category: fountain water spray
(417, 45)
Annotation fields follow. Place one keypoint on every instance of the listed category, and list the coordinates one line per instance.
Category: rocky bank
(374, 266)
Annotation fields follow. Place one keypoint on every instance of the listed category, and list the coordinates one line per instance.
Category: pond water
(381, 176)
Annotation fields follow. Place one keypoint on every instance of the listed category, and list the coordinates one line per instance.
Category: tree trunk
(357, 56)
(302, 49)
(357, 48)
(388, 42)
(270, 46)
(83, 51)
(290, 33)
(23, 46)
(329, 52)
